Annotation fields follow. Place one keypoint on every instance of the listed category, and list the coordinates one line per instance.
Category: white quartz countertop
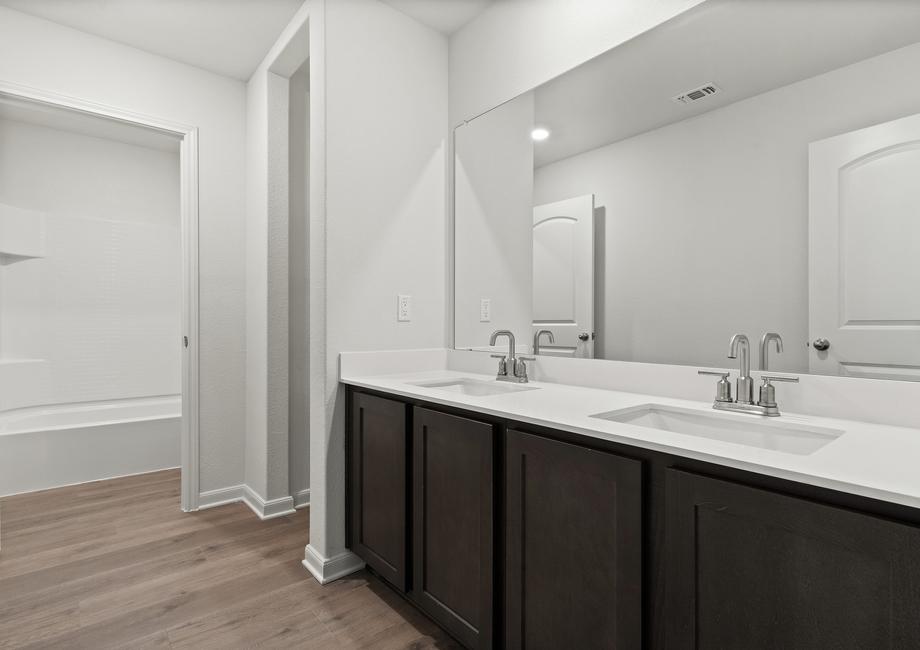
(871, 460)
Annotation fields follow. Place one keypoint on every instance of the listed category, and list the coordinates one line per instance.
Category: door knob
(584, 336)
(821, 344)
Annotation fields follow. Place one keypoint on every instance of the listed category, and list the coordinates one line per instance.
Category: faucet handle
(723, 386)
(520, 367)
(768, 393)
(502, 363)
(768, 378)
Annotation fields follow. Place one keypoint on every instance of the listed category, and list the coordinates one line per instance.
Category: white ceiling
(229, 37)
(745, 48)
(446, 16)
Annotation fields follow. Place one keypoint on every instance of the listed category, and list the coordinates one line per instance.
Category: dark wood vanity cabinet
(749, 568)
(452, 515)
(516, 536)
(421, 509)
(573, 547)
(377, 475)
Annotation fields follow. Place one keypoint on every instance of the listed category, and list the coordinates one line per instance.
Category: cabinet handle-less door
(750, 568)
(452, 511)
(377, 455)
(573, 558)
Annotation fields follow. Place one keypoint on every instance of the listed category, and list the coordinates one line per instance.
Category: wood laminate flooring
(116, 564)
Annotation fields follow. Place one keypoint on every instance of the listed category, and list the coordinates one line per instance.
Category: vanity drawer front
(378, 455)
(452, 504)
(750, 568)
(573, 562)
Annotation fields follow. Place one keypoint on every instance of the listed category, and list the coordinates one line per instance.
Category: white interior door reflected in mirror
(563, 275)
(864, 247)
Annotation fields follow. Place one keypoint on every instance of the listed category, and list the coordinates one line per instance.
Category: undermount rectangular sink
(475, 387)
(773, 434)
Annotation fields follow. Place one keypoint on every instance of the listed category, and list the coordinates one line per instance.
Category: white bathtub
(52, 446)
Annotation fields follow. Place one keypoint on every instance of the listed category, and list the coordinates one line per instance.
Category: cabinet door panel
(748, 568)
(452, 515)
(377, 464)
(574, 546)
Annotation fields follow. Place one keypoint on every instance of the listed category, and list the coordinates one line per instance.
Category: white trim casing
(188, 170)
(325, 570)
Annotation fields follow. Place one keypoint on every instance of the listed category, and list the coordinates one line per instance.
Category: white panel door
(563, 275)
(864, 251)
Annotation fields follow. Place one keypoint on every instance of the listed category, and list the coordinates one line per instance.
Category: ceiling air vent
(697, 94)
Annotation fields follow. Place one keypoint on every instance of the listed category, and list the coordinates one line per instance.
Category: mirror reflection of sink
(475, 387)
(773, 434)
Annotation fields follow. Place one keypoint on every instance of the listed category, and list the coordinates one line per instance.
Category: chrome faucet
(740, 347)
(538, 336)
(765, 345)
(510, 367)
(744, 385)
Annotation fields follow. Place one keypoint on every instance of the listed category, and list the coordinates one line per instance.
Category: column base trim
(325, 570)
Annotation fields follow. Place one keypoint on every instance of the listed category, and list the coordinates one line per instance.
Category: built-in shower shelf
(22, 234)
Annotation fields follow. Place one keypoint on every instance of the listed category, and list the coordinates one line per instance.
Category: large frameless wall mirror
(748, 167)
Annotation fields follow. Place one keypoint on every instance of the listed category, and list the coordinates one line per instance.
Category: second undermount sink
(476, 387)
(774, 434)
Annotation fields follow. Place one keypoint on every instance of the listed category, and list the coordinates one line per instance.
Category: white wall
(721, 200)
(299, 282)
(53, 58)
(494, 219)
(102, 308)
(514, 46)
(383, 115)
(268, 196)
(257, 310)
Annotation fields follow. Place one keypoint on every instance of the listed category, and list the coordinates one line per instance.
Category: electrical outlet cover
(404, 308)
(485, 310)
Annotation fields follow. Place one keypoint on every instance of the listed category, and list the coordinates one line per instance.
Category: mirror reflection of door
(563, 276)
(864, 247)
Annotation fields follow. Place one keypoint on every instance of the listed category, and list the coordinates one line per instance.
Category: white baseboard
(302, 498)
(223, 496)
(325, 570)
(265, 509)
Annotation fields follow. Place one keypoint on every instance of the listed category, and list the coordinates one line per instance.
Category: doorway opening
(98, 294)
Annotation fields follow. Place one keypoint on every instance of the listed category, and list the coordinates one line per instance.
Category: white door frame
(188, 173)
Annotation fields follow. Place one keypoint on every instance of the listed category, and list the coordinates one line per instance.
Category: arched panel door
(864, 252)
(563, 275)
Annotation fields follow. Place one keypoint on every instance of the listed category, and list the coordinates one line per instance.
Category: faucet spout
(740, 341)
(510, 335)
(740, 348)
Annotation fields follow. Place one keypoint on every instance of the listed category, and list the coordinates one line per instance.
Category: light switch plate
(404, 308)
(485, 310)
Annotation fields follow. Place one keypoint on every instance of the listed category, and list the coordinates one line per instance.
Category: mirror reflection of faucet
(536, 340)
(765, 348)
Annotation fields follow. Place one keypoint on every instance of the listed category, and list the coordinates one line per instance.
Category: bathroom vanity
(530, 516)
(670, 203)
